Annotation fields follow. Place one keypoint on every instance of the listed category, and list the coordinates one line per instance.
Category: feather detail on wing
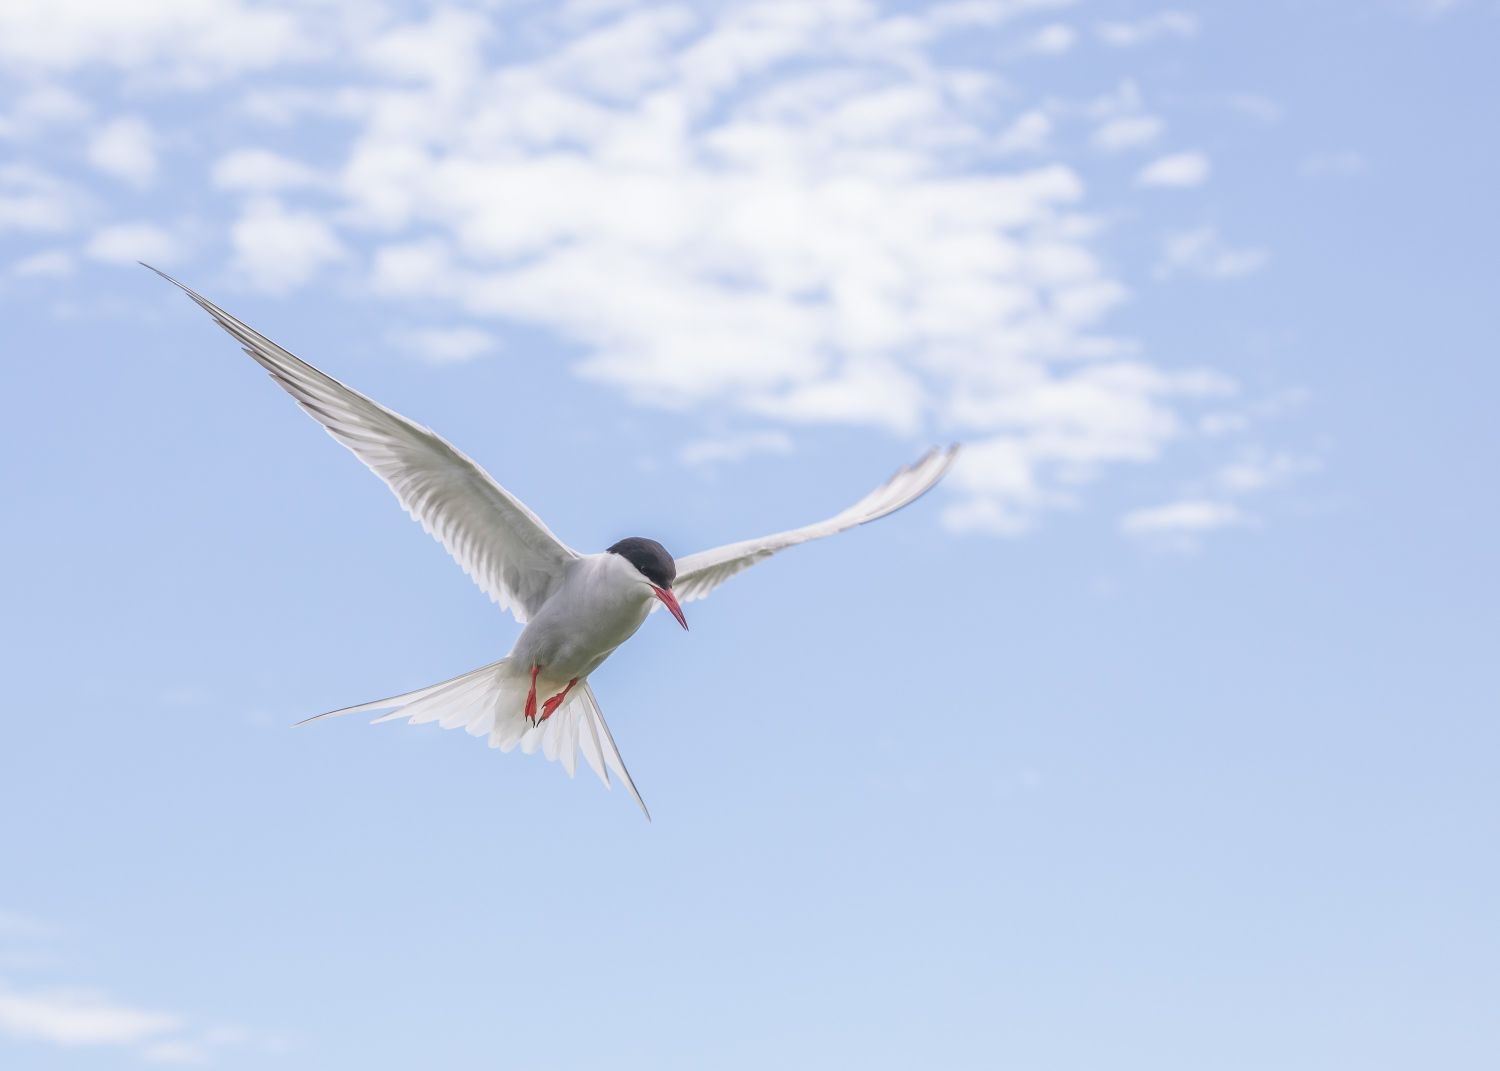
(698, 574)
(503, 546)
(490, 701)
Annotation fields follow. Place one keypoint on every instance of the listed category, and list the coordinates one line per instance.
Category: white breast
(603, 599)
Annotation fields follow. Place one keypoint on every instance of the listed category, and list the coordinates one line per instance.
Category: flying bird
(576, 608)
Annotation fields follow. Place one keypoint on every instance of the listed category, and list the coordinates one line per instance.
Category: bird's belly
(571, 640)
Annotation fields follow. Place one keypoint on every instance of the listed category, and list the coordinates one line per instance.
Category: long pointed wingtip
(179, 284)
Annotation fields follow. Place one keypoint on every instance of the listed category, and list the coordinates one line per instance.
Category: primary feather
(698, 574)
(499, 543)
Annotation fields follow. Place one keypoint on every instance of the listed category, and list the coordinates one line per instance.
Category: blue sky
(1161, 736)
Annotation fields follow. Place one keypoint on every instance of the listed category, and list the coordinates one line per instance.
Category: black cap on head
(650, 557)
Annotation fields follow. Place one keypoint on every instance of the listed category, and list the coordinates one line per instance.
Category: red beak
(670, 602)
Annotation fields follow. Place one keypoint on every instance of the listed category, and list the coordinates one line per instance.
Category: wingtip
(175, 282)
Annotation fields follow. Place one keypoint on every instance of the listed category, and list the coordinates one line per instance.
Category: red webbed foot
(551, 705)
(531, 696)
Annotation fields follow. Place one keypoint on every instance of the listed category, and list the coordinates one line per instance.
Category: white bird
(576, 608)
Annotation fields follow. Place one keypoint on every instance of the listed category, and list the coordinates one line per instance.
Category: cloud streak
(787, 214)
(1177, 170)
(72, 1017)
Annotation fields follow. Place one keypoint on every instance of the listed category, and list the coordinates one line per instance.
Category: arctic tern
(576, 608)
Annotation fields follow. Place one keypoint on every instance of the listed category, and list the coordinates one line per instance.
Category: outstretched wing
(502, 545)
(700, 573)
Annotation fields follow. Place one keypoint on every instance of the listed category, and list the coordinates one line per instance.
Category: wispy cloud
(32, 200)
(76, 1018)
(35, 110)
(262, 171)
(729, 448)
(1124, 34)
(1217, 502)
(277, 248)
(1204, 253)
(184, 42)
(1178, 170)
(1028, 133)
(446, 345)
(1177, 524)
(1128, 132)
(1257, 470)
(125, 243)
(73, 1017)
(49, 263)
(126, 149)
(1052, 40)
(797, 214)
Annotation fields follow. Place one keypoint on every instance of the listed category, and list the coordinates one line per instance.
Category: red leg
(531, 696)
(551, 705)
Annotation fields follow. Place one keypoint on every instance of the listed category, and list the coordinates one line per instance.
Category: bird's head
(656, 567)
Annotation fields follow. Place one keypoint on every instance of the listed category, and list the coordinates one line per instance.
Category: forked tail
(490, 701)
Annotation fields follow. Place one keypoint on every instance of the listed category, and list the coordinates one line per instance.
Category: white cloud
(74, 1018)
(278, 248)
(1257, 470)
(49, 263)
(35, 109)
(730, 448)
(776, 212)
(1177, 170)
(70, 1017)
(262, 171)
(1053, 39)
(182, 41)
(126, 149)
(1125, 99)
(446, 345)
(1028, 133)
(446, 51)
(1233, 421)
(1177, 525)
(1128, 132)
(808, 188)
(125, 243)
(988, 13)
(828, 234)
(1059, 432)
(1202, 252)
(32, 200)
(1186, 517)
(1151, 28)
